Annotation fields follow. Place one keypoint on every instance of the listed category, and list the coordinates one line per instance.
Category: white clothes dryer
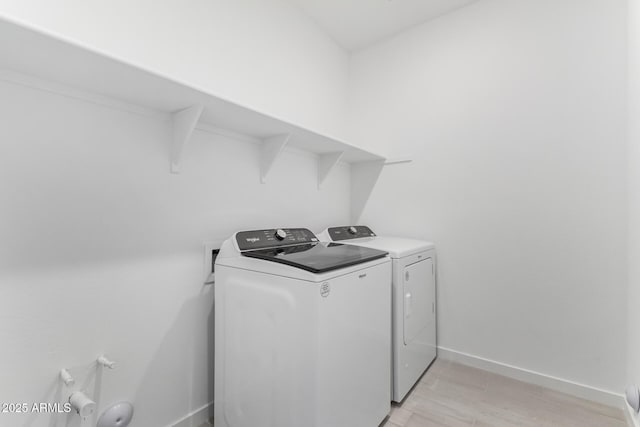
(302, 334)
(413, 302)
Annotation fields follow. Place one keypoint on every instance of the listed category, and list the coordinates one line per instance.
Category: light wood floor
(452, 395)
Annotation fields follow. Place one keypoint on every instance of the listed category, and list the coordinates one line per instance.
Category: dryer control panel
(350, 232)
(274, 237)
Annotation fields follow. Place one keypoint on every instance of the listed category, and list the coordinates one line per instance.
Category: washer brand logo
(253, 239)
(325, 289)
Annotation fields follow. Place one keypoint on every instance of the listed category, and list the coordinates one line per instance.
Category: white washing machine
(414, 301)
(302, 334)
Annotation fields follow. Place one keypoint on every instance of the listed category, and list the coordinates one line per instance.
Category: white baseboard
(630, 415)
(580, 390)
(195, 418)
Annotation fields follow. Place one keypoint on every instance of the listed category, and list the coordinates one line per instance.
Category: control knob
(280, 234)
(353, 230)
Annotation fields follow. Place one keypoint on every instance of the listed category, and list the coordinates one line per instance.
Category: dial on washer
(280, 234)
(353, 230)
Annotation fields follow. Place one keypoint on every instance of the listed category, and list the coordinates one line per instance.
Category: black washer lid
(317, 257)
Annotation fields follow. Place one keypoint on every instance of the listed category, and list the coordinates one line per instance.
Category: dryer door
(418, 301)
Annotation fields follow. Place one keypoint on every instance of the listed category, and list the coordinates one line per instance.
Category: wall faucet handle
(66, 377)
(102, 360)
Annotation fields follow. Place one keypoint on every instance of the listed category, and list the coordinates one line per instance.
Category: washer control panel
(350, 232)
(273, 237)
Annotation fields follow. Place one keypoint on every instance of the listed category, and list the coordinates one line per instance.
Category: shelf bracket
(364, 176)
(184, 122)
(271, 149)
(326, 163)
(397, 161)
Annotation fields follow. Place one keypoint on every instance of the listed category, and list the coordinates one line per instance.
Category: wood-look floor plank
(454, 395)
(451, 394)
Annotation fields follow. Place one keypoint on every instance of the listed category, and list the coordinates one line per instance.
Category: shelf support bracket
(271, 149)
(364, 176)
(397, 161)
(184, 122)
(326, 163)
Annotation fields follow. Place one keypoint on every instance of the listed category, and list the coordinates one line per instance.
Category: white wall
(633, 355)
(101, 249)
(514, 114)
(263, 54)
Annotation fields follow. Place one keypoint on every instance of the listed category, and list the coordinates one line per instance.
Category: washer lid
(317, 257)
(398, 247)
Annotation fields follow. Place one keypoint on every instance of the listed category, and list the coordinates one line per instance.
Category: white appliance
(414, 301)
(302, 334)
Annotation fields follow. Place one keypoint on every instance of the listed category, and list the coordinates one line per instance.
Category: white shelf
(32, 57)
(52, 59)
